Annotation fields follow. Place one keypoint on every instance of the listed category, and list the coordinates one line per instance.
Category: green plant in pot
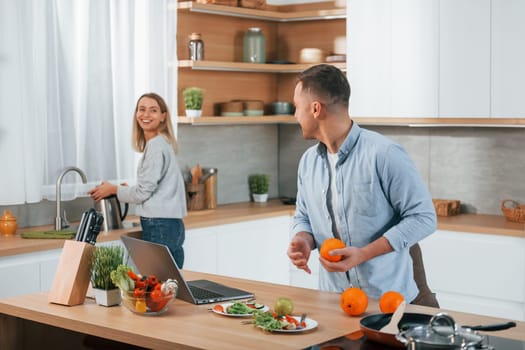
(259, 184)
(105, 260)
(193, 97)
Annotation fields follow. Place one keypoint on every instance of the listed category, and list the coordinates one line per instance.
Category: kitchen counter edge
(239, 212)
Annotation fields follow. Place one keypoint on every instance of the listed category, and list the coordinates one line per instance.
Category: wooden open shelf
(219, 120)
(266, 15)
(250, 67)
(379, 121)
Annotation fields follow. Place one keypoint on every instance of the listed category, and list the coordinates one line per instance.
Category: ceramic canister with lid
(8, 224)
(254, 46)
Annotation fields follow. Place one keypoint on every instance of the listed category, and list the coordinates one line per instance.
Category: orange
(354, 301)
(390, 301)
(330, 244)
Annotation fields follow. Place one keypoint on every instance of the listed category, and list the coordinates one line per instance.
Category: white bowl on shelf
(311, 55)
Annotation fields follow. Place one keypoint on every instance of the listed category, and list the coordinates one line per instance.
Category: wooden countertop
(186, 326)
(238, 212)
(481, 223)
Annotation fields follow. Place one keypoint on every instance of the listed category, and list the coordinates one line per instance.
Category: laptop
(153, 258)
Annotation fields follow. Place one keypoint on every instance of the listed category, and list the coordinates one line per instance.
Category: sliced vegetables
(149, 293)
(270, 321)
(239, 309)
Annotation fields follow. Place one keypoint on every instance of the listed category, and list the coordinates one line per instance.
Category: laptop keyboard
(200, 293)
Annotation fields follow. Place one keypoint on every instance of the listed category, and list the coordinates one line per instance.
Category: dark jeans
(170, 232)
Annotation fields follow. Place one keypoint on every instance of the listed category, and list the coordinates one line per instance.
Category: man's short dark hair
(326, 82)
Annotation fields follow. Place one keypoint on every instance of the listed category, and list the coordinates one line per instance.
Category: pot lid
(441, 332)
(7, 216)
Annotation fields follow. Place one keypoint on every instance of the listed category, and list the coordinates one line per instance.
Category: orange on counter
(354, 301)
(390, 301)
(331, 244)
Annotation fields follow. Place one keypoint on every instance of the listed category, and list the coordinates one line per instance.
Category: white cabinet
(464, 58)
(446, 58)
(415, 58)
(477, 273)
(28, 273)
(393, 58)
(200, 250)
(253, 250)
(299, 278)
(370, 57)
(508, 57)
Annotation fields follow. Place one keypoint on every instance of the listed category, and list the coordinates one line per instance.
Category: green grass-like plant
(193, 97)
(105, 260)
(259, 183)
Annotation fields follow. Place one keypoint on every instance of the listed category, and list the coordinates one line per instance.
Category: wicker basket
(513, 211)
(447, 207)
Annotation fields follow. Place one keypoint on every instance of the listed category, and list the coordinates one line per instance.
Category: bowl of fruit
(144, 295)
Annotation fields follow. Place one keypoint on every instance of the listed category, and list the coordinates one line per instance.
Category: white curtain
(70, 74)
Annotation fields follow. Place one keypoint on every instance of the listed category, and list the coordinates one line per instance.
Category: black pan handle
(493, 327)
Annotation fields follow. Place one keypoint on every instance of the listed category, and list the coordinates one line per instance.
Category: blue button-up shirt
(380, 193)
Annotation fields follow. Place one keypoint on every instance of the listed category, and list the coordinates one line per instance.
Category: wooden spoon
(391, 327)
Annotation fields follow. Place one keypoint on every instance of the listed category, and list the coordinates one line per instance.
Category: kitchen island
(29, 321)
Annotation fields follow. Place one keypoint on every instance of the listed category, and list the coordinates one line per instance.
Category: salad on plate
(239, 309)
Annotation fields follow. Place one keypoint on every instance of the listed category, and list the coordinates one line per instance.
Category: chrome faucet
(60, 222)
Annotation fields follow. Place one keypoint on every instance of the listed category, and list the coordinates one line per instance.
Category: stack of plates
(232, 109)
(239, 108)
(253, 107)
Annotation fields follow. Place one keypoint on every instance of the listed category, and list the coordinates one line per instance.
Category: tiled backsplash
(479, 166)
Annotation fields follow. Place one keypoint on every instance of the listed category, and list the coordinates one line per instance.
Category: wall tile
(237, 152)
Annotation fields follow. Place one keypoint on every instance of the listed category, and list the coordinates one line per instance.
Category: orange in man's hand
(390, 301)
(354, 301)
(330, 244)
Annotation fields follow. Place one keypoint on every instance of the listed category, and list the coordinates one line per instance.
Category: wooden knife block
(73, 274)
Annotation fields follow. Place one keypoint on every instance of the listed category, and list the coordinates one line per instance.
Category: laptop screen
(153, 258)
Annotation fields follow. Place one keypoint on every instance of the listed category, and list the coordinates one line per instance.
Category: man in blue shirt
(360, 187)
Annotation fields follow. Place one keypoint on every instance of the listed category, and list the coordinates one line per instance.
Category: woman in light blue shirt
(358, 186)
(159, 193)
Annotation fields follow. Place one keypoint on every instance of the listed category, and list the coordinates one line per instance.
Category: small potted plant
(193, 97)
(105, 260)
(259, 184)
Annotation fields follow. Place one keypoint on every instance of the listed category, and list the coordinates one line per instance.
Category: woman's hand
(105, 189)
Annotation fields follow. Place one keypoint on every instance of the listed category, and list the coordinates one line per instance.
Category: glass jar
(254, 46)
(196, 47)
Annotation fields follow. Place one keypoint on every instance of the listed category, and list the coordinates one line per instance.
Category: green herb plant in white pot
(105, 260)
(259, 184)
(193, 97)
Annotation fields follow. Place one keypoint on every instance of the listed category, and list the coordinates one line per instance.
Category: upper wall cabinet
(393, 65)
(508, 58)
(370, 58)
(460, 59)
(464, 58)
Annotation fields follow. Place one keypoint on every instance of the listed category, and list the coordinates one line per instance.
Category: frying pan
(371, 325)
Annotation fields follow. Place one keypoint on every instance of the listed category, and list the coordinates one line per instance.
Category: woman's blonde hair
(166, 130)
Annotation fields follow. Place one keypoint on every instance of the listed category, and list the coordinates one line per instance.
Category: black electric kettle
(112, 212)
